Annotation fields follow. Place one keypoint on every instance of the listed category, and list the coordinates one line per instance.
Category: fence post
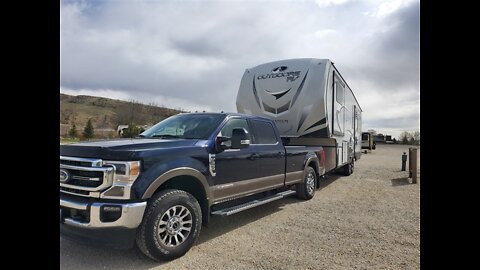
(412, 164)
(404, 161)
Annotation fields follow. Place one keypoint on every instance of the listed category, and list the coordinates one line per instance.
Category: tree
(411, 141)
(394, 141)
(416, 137)
(373, 131)
(131, 132)
(404, 137)
(88, 131)
(72, 133)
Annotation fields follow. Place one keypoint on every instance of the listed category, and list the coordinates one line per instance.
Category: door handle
(254, 156)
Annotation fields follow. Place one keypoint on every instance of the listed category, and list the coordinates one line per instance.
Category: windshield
(185, 126)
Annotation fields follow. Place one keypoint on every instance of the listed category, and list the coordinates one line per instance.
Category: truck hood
(120, 149)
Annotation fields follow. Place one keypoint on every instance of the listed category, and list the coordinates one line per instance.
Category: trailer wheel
(348, 168)
(306, 189)
(170, 226)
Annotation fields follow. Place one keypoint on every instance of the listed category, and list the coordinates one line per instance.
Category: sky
(192, 54)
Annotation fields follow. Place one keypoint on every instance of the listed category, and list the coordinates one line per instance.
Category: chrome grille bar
(91, 167)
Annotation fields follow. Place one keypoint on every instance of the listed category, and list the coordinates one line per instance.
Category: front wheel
(306, 189)
(170, 226)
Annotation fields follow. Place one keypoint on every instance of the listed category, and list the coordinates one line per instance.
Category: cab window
(230, 125)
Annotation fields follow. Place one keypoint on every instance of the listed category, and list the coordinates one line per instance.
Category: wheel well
(193, 186)
(314, 166)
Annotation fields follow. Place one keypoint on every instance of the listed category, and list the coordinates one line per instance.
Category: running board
(238, 208)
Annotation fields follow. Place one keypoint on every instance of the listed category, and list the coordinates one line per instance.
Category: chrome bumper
(131, 216)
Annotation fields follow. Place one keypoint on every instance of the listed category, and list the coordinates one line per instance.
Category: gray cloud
(194, 53)
(390, 57)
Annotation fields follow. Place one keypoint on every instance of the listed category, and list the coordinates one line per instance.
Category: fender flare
(314, 159)
(181, 171)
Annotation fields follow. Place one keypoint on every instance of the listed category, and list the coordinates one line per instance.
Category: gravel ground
(370, 219)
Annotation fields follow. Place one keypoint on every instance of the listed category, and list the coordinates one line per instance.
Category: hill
(106, 113)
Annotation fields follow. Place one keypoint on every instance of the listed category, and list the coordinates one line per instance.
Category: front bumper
(84, 221)
(91, 215)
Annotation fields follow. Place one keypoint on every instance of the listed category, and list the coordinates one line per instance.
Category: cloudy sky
(192, 54)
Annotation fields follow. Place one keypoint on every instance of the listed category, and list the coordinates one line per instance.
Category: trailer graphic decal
(279, 94)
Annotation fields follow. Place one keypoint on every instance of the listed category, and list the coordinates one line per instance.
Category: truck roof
(233, 114)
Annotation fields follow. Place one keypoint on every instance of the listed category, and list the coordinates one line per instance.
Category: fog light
(110, 213)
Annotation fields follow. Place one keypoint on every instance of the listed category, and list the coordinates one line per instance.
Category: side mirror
(239, 138)
(218, 143)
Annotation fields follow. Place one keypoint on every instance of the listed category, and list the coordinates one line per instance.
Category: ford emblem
(64, 176)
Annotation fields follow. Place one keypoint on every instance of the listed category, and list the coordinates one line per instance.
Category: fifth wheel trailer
(311, 104)
(367, 141)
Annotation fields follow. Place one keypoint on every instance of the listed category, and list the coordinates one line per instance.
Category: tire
(306, 189)
(348, 168)
(170, 214)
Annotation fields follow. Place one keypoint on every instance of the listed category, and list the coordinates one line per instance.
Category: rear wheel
(170, 226)
(306, 189)
(348, 168)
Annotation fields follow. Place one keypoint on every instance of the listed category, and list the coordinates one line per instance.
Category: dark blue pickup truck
(157, 190)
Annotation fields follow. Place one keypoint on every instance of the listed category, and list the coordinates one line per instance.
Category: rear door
(270, 154)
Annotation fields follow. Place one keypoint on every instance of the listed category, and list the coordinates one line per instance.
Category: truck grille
(85, 176)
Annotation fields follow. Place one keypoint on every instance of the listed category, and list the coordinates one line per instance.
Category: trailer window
(340, 92)
(264, 133)
(364, 137)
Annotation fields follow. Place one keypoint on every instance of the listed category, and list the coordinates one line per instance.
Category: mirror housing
(219, 147)
(239, 139)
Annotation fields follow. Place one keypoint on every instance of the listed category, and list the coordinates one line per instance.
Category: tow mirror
(239, 138)
(219, 143)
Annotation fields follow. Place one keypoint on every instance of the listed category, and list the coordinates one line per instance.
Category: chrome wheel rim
(174, 226)
(310, 183)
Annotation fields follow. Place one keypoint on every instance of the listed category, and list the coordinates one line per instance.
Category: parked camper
(367, 141)
(388, 139)
(311, 104)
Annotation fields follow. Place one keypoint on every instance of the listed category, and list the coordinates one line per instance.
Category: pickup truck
(158, 190)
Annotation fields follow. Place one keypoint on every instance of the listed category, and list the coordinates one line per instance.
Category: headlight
(126, 172)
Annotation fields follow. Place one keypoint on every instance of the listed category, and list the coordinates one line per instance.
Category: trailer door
(339, 118)
(338, 106)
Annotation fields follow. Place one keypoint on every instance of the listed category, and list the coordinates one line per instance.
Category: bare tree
(404, 137)
(416, 137)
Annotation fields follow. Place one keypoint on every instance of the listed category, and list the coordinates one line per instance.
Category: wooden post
(412, 164)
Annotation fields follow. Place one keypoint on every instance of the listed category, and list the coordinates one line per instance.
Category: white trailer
(368, 142)
(310, 103)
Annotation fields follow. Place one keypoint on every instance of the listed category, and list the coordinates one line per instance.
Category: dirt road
(370, 219)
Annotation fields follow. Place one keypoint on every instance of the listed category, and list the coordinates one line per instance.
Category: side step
(238, 208)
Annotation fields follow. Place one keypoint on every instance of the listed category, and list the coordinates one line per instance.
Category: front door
(234, 167)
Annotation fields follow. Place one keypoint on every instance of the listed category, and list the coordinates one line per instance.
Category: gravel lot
(370, 219)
